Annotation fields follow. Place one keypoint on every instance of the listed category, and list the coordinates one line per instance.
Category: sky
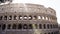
(47, 3)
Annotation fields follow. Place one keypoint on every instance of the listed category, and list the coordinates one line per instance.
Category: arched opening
(10, 17)
(40, 26)
(39, 17)
(1, 17)
(52, 33)
(5, 17)
(44, 26)
(3, 26)
(30, 26)
(25, 17)
(8, 26)
(0, 27)
(30, 17)
(19, 26)
(48, 26)
(46, 18)
(34, 17)
(20, 17)
(15, 17)
(14, 26)
(49, 33)
(25, 26)
(35, 26)
(43, 17)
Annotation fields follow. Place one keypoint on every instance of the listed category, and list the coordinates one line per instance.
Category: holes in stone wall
(30, 17)
(5, 17)
(1, 17)
(15, 17)
(43, 18)
(20, 17)
(34, 17)
(8, 26)
(25, 17)
(10, 17)
(3, 26)
(28, 26)
(25, 26)
(14, 26)
(39, 17)
(40, 26)
(0, 27)
(19, 26)
(44, 26)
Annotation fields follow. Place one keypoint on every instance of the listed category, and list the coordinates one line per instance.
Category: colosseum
(27, 18)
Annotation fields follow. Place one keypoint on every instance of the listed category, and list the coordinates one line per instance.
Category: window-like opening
(48, 26)
(49, 33)
(39, 17)
(30, 26)
(14, 26)
(42, 17)
(40, 26)
(45, 33)
(9, 26)
(3, 27)
(35, 17)
(35, 26)
(10, 17)
(30, 17)
(25, 17)
(44, 25)
(53, 26)
(15, 17)
(19, 26)
(1, 17)
(46, 18)
(0, 26)
(25, 26)
(20, 17)
(5, 17)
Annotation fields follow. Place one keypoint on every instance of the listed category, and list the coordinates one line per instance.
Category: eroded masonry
(27, 19)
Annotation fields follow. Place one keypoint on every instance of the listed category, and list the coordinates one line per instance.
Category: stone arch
(10, 17)
(39, 17)
(1, 17)
(19, 26)
(30, 17)
(34, 17)
(20, 17)
(9, 26)
(14, 26)
(25, 26)
(25, 17)
(3, 26)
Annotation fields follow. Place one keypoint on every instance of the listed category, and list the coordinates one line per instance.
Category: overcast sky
(55, 4)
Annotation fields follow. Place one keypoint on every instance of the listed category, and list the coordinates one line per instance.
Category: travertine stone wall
(26, 8)
(27, 19)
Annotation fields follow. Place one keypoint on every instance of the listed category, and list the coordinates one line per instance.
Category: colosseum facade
(27, 18)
